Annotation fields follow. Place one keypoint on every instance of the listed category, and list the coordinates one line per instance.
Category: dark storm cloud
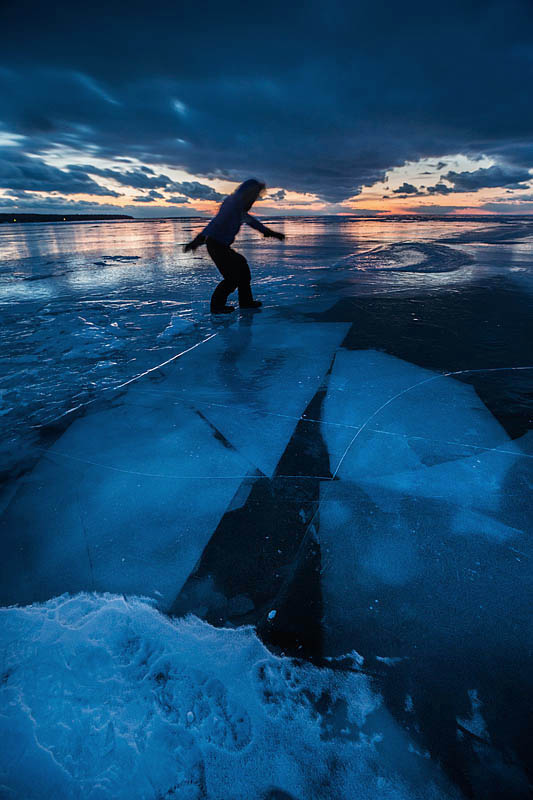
(498, 176)
(490, 177)
(54, 204)
(29, 201)
(20, 172)
(232, 91)
(135, 179)
(146, 178)
(524, 207)
(440, 188)
(406, 189)
(151, 197)
(196, 190)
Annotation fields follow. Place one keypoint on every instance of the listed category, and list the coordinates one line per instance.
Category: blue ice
(166, 454)
(422, 521)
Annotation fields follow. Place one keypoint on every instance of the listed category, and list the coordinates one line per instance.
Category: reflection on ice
(255, 380)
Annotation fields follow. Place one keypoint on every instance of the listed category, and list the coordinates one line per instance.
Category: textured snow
(106, 698)
(177, 326)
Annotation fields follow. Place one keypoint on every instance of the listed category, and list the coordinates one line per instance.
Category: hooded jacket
(225, 226)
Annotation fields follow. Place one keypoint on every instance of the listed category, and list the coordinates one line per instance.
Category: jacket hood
(251, 182)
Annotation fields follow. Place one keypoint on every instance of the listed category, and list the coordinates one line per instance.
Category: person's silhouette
(219, 235)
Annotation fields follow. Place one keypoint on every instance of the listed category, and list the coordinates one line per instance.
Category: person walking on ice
(219, 235)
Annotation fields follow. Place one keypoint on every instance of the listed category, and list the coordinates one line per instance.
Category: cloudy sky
(341, 106)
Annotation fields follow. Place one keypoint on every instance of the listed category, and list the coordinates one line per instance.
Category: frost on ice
(107, 698)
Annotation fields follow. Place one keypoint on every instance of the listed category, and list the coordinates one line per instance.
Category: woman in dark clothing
(219, 235)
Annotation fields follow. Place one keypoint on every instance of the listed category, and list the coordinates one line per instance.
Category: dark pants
(236, 273)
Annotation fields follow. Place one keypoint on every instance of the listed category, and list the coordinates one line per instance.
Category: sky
(342, 107)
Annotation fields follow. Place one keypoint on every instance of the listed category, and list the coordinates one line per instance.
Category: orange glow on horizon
(366, 203)
(383, 198)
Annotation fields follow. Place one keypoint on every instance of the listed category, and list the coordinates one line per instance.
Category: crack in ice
(126, 383)
(163, 364)
(414, 386)
(249, 476)
(311, 527)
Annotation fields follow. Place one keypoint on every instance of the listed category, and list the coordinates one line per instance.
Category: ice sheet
(425, 546)
(254, 381)
(380, 508)
(86, 516)
(400, 416)
(127, 498)
(423, 466)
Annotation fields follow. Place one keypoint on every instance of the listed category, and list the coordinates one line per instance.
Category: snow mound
(104, 697)
(176, 327)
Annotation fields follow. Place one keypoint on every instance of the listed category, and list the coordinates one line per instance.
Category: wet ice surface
(347, 471)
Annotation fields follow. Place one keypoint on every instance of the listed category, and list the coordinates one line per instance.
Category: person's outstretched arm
(198, 241)
(254, 223)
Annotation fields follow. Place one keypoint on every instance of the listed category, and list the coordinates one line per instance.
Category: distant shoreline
(16, 218)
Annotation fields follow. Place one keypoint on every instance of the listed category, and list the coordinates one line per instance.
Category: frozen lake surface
(282, 554)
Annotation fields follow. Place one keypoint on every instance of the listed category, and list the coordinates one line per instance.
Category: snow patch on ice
(104, 697)
(474, 723)
(177, 326)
